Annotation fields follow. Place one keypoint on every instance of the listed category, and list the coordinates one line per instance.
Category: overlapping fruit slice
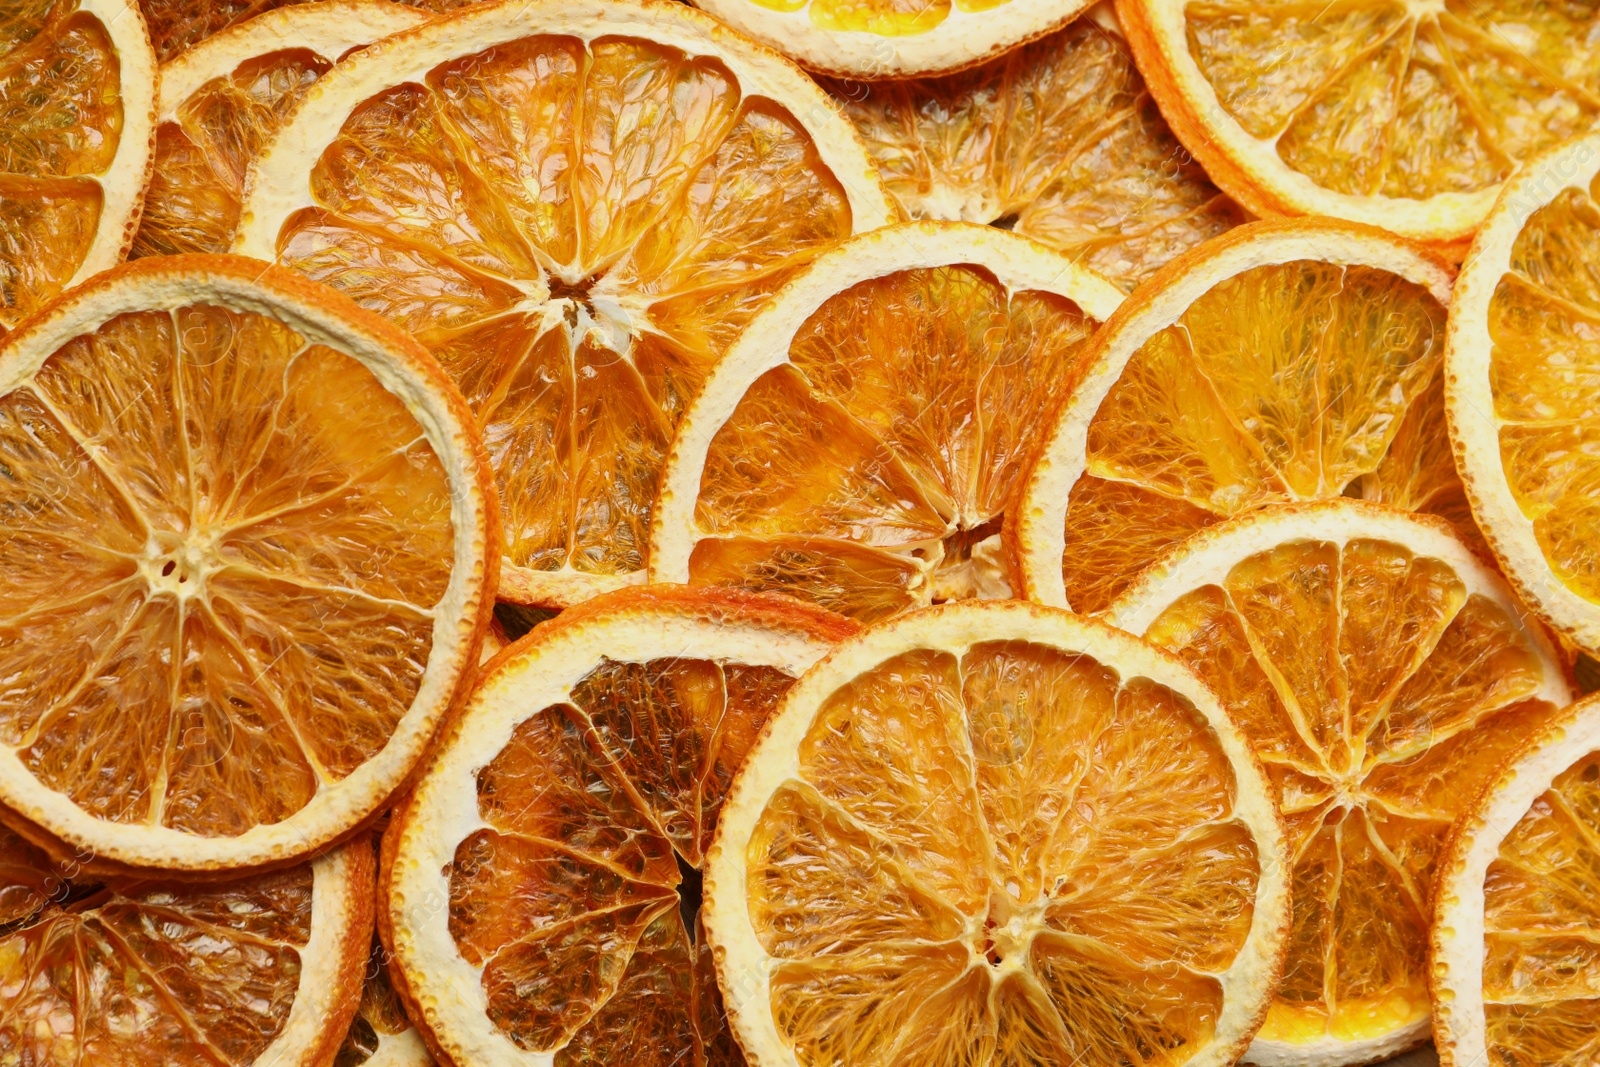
(574, 206)
(565, 820)
(1515, 963)
(1524, 392)
(222, 100)
(1383, 673)
(989, 834)
(78, 96)
(178, 25)
(247, 559)
(1280, 362)
(1057, 140)
(1405, 116)
(858, 447)
(261, 970)
(381, 1035)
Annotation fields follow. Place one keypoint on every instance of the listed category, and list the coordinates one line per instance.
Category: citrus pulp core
(219, 600)
(1544, 369)
(1381, 694)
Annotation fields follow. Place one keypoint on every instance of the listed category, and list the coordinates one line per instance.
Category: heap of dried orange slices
(799, 533)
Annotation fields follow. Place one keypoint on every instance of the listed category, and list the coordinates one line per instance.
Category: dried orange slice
(1057, 140)
(996, 833)
(1515, 977)
(1523, 392)
(78, 92)
(223, 99)
(1382, 673)
(1402, 115)
(541, 884)
(248, 558)
(860, 443)
(574, 205)
(381, 1035)
(893, 38)
(1280, 362)
(262, 970)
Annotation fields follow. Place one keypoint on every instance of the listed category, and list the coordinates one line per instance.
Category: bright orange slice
(1280, 362)
(1382, 673)
(225, 98)
(264, 971)
(542, 883)
(575, 206)
(858, 447)
(1523, 373)
(78, 92)
(1516, 965)
(1405, 115)
(248, 559)
(1057, 140)
(997, 834)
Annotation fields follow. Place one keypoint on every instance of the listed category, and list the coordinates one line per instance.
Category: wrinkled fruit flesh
(1401, 100)
(1057, 140)
(1295, 381)
(870, 471)
(1541, 968)
(1381, 696)
(580, 900)
(218, 599)
(196, 190)
(60, 124)
(1011, 855)
(1544, 367)
(177, 24)
(577, 232)
(150, 977)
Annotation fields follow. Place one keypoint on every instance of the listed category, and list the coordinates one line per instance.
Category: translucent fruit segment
(1376, 98)
(1285, 382)
(222, 598)
(574, 902)
(605, 218)
(1544, 366)
(1378, 692)
(172, 976)
(863, 472)
(994, 856)
(1541, 968)
(201, 158)
(60, 124)
(1059, 138)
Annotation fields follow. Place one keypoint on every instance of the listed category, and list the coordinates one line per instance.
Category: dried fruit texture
(1541, 968)
(1382, 695)
(28, 880)
(218, 600)
(577, 232)
(1544, 375)
(1006, 855)
(1058, 140)
(201, 976)
(61, 121)
(580, 898)
(870, 471)
(381, 1035)
(175, 25)
(1380, 98)
(1295, 381)
(201, 158)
